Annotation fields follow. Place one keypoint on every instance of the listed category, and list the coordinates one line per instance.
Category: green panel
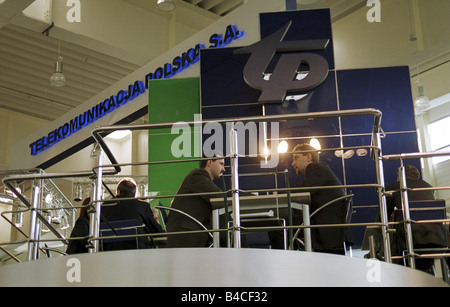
(170, 101)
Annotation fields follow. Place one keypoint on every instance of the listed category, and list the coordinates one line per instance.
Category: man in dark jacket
(199, 207)
(130, 209)
(424, 235)
(317, 174)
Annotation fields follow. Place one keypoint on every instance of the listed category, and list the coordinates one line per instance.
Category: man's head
(126, 187)
(301, 160)
(411, 172)
(214, 165)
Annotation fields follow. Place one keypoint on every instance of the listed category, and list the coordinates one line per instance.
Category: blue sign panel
(292, 70)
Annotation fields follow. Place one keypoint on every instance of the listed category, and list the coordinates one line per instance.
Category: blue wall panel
(225, 94)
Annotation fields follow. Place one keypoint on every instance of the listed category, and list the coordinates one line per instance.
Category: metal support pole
(216, 223)
(94, 230)
(290, 222)
(382, 198)
(306, 231)
(406, 216)
(32, 244)
(235, 188)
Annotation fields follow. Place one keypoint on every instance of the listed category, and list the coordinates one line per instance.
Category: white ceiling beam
(209, 4)
(226, 6)
(9, 9)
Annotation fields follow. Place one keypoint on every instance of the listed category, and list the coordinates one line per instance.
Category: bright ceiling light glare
(282, 147)
(119, 134)
(266, 76)
(166, 5)
(266, 152)
(315, 143)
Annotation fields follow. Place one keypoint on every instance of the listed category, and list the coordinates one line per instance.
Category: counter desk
(264, 206)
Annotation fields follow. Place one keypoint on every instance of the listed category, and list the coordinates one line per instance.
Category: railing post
(94, 230)
(235, 188)
(382, 197)
(32, 245)
(406, 216)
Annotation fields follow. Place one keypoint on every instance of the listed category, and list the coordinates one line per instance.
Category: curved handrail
(317, 211)
(189, 216)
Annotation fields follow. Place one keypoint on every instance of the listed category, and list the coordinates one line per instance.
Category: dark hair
(311, 150)
(85, 207)
(126, 186)
(212, 155)
(411, 172)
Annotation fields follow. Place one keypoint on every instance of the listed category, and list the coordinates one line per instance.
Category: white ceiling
(27, 56)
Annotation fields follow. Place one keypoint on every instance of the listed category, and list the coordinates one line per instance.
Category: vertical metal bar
(406, 216)
(290, 222)
(372, 250)
(216, 225)
(307, 231)
(33, 233)
(235, 188)
(382, 197)
(94, 230)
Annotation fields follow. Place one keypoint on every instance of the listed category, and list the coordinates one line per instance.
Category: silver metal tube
(235, 188)
(306, 231)
(32, 244)
(267, 118)
(416, 155)
(406, 216)
(96, 133)
(94, 230)
(382, 197)
(215, 222)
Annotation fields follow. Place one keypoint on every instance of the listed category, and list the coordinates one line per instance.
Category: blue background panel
(225, 94)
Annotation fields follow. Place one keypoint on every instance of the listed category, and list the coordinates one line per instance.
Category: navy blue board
(225, 94)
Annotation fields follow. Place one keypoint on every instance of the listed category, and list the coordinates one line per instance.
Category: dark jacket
(80, 229)
(129, 210)
(319, 174)
(199, 207)
(394, 201)
(424, 235)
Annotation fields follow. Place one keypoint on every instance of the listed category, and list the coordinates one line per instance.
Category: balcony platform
(218, 267)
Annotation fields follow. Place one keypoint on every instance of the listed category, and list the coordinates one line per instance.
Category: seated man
(424, 235)
(130, 209)
(318, 174)
(197, 181)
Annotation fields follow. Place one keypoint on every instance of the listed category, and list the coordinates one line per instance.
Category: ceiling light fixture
(421, 102)
(166, 5)
(58, 79)
(283, 147)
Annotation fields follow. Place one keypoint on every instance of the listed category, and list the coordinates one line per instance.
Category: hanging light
(78, 193)
(17, 217)
(166, 5)
(58, 79)
(283, 147)
(315, 143)
(64, 223)
(421, 102)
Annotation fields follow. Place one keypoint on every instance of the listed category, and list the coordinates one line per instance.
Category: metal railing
(375, 152)
(407, 221)
(114, 168)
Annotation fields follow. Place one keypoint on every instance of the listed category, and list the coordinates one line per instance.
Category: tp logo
(283, 78)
